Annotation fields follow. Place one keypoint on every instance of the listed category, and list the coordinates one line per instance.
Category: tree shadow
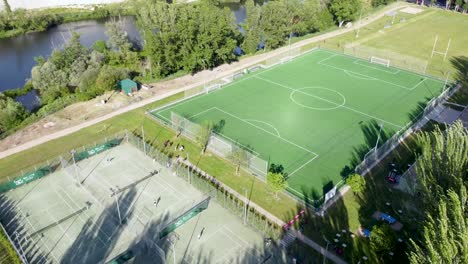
(322, 228)
(16, 229)
(372, 131)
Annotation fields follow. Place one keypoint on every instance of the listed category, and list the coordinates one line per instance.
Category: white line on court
(263, 122)
(202, 112)
(358, 76)
(227, 85)
(325, 100)
(327, 58)
(358, 62)
(285, 140)
(418, 83)
(303, 165)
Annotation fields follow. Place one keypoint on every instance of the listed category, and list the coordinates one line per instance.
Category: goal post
(380, 61)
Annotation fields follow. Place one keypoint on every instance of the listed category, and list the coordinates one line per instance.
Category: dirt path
(67, 121)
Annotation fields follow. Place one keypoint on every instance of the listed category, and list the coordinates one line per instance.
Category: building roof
(127, 85)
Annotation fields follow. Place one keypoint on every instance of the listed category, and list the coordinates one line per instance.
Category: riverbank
(28, 20)
(34, 4)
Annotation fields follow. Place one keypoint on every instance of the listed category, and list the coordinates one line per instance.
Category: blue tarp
(387, 218)
(366, 232)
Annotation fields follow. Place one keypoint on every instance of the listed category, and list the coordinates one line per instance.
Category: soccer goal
(212, 87)
(380, 61)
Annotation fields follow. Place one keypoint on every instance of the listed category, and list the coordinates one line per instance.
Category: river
(17, 54)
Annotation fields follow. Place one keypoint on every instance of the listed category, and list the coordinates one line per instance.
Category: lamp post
(326, 250)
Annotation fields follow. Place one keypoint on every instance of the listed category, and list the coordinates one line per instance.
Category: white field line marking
(294, 190)
(263, 122)
(202, 112)
(79, 216)
(327, 58)
(357, 76)
(227, 85)
(236, 236)
(237, 143)
(302, 166)
(325, 100)
(370, 77)
(266, 131)
(358, 62)
(414, 87)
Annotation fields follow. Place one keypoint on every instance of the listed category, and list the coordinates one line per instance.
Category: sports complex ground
(55, 219)
(312, 114)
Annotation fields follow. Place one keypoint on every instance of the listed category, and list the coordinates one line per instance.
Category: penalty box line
(328, 101)
(370, 77)
(283, 139)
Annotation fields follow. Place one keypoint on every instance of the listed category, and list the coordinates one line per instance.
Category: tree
(239, 157)
(50, 81)
(442, 170)
(100, 46)
(205, 134)
(11, 113)
(345, 10)
(382, 240)
(458, 4)
(448, 3)
(109, 77)
(445, 236)
(357, 183)
(443, 163)
(118, 37)
(276, 182)
(7, 6)
(253, 31)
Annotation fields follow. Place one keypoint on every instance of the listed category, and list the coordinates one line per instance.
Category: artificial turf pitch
(313, 113)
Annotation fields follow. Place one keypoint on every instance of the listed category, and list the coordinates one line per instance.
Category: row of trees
(192, 37)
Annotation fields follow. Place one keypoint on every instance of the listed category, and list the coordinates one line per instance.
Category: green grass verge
(7, 252)
(415, 37)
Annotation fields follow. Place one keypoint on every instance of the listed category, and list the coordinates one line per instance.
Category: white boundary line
(325, 100)
(162, 109)
(263, 122)
(358, 62)
(266, 131)
(370, 77)
(357, 76)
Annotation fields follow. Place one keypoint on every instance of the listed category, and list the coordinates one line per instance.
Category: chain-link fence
(228, 200)
(376, 154)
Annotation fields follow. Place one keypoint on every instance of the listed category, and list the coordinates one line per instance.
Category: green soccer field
(312, 114)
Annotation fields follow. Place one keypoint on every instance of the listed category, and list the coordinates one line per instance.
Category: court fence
(375, 155)
(217, 144)
(211, 187)
(398, 60)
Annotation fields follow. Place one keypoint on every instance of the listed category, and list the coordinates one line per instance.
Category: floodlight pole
(173, 251)
(326, 250)
(359, 27)
(446, 81)
(74, 165)
(245, 206)
(118, 209)
(378, 136)
(144, 142)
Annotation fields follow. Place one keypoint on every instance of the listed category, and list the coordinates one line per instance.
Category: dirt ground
(84, 114)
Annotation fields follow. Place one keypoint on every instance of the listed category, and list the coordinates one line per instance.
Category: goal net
(212, 87)
(381, 61)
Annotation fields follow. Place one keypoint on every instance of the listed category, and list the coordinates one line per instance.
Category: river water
(17, 54)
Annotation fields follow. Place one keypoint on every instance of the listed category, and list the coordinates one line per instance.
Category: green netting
(97, 149)
(26, 178)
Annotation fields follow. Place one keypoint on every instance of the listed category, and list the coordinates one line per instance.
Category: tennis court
(311, 114)
(119, 201)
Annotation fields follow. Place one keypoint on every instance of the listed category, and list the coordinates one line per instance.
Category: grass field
(311, 114)
(415, 37)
